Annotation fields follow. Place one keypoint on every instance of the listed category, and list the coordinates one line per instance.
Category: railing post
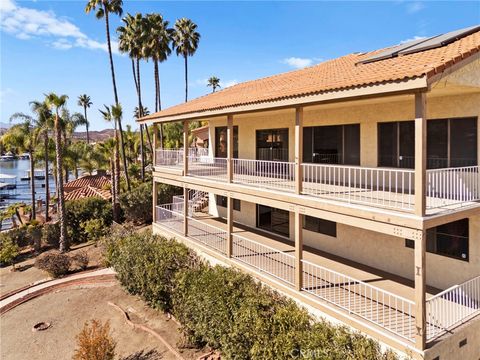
(229, 148)
(298, 149)
(154, 200)
(185, 211)
(185, 148)
(229, 226)
(420, 287)
(420, 152)
(298, 251)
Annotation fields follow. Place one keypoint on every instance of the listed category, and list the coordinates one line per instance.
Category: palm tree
(53, 100)
(185, 43)
(84, 100)
(104, 7)
(24, 138)
(214, 82)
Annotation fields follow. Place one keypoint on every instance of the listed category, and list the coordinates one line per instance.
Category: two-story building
(352, 185)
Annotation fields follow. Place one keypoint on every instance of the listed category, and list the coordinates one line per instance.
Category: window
(396, 144)
(221, 142)
(222, 202)
(321, 226)
(274, 220)
(272, 144)
(448, 240)
(339, 144)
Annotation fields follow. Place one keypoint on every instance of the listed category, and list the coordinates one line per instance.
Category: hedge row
(227, 310)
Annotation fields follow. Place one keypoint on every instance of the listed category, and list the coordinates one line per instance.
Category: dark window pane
(222, 201)
(236, 204)
(449, 240)
(387, 144)
(327, 144)
(321, 226)
(308, 144)
(463, 142)
(406, 158)
(221, 142)
(410, 243)
(437, 144)
(274, 220)
(272, 144)
(352, 144)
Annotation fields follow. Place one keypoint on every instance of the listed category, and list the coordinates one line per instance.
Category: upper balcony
(446, 189)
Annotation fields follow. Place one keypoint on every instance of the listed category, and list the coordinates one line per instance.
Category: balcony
(375, 297)
(391, 188)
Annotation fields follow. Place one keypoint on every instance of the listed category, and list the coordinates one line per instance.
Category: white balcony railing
(452, 186)
(208, 235)
(174, 157)
(381, 307)
(264, 258)
(452, 307)
(211, 168)
(170, 216)
(393, 188)
(276, 175)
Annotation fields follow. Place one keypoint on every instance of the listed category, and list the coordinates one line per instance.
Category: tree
(185, 43)
(104, 8)
(214, 82)
(53, 100)
(24, 138)
(84, 101)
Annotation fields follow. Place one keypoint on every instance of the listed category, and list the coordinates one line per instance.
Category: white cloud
(26, 23)
(416, 37)
(228, 83)
(297, 62)
(414, 7)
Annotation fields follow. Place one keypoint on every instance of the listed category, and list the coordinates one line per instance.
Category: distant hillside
(95, 136)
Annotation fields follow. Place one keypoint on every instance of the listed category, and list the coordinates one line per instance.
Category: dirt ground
(27, 274)
(67, 310)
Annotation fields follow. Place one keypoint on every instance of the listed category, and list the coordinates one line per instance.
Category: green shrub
(83, 210)
(146, 264)
(55, 263)
(51, 234)
(8, 251)
(137, 204)
(18, 235)
(94, 229)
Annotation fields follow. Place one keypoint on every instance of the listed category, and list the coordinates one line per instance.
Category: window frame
(222, 201)
(319, 225)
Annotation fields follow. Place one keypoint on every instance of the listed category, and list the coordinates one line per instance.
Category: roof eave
(366, 91)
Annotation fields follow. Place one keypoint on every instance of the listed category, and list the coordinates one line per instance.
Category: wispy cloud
(27, 23)
(297, 62)
(416, 37)
(415, 6)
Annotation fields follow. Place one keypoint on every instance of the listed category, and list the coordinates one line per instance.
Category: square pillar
(185, 148)
(229, 148)
(420, 152)
(229, 226)
(155, 143)
(420, 292)
(185, 211)
(154, 201)
(298, 250)
(298, 149)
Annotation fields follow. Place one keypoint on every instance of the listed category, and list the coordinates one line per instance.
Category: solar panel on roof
(440, 40)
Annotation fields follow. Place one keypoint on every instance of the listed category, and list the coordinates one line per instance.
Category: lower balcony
(390, 188)
(374, 297)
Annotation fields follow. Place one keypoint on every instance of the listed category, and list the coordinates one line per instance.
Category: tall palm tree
(214, 82)
(43, 126)
(53, 100)
(185, 43)
(103, 9)
(23, 137)
(85, 101)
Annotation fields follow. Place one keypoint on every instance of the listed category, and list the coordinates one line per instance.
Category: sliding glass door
(273, 220)
(272, 144)
(221, 142)
(396, 144)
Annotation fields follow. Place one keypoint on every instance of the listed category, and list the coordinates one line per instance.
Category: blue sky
(54, 46)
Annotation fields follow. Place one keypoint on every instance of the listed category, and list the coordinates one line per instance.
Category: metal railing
(212, 168)
(264, 258)
(390, 311)
(208, 235)
(392, 188)
(277, 175)
(452, 186)
(170, 216)
(452, 307)
(168, 157)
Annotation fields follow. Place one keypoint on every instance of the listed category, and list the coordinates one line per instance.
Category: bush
(34, 231)
(55, 263)
(146, 265)
(95, 342)
(81, 259)
(83, 210)
(94, 229)
(18, 236)
(51, 234)
(8, 251)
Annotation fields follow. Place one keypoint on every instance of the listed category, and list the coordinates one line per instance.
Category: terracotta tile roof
(96, 181)
(86, 192)
(337, 74)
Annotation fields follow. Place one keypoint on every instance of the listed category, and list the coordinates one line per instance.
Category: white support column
(420, 292)
(420, 152)
(230, 148)
(229, 226)
(155, 143)
(185, 211)
(185, 148)
(298, 251)
(154, 200)
(298, 149)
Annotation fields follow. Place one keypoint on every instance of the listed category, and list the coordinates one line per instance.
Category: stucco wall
(384, 252)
